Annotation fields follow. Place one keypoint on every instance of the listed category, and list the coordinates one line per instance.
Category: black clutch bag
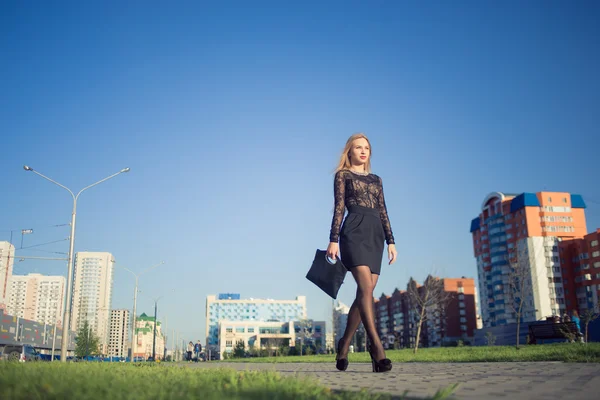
(327, 275)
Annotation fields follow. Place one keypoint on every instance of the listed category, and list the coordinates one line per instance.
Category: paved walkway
(518, 380)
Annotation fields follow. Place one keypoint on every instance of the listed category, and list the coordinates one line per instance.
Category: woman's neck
(358, 168)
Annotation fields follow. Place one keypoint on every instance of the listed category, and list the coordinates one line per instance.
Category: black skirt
(362, 239)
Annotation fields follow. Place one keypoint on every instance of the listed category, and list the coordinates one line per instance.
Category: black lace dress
(367, 225)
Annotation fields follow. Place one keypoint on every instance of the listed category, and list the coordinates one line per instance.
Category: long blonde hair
(345, 162)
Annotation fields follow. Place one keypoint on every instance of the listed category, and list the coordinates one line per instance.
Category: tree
(426, 300)
(86, 342)
(306, 332)
(588, 316)
(274, 342)
(239, 351)
(519, 281)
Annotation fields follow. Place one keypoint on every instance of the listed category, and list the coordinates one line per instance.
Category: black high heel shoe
(342, 363)
(384, 365)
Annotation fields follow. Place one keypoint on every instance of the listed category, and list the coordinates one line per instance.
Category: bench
(552, 330)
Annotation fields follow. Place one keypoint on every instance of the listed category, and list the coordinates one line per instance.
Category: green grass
(568, 352)
(95, 381)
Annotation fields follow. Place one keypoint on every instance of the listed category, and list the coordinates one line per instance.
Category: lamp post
(154, 334)
(155, 300)
(67, 310)
(136, 276)
(155, 324)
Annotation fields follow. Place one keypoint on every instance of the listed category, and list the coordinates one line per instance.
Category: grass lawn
(568, 352)
(117, 381)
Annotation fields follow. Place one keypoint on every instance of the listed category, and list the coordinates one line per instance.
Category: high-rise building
(7, 258)
(230, 307)
(580, 259)
(460, 319)
(396, 316)
(92, 293)
(118, 342)
(37, 298)
(144, 335)
(524, 230)
(340, 320)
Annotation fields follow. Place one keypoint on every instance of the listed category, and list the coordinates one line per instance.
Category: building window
(463, 327)
(228, 343)
(229, 330)
(594, 243)
(239, 330)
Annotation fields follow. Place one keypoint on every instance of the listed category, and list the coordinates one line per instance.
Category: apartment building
(580, 259)
(7, 260)
(37, 297)
(524, 230)
(397, 315)
(118, 342)
(92, 293)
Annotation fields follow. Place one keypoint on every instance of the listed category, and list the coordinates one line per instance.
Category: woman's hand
(392, 253)
(332, 250)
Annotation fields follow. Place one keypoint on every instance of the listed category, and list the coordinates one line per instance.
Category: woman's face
(360, 152)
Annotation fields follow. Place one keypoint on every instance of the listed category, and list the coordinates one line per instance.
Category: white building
(7, 258)
(144, 336)
(92, 293)
(270, 334)
(230, 307)
(37, 298)
(340, 320)
(118, 341)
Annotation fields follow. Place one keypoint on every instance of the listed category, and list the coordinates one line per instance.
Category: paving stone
(519, 381)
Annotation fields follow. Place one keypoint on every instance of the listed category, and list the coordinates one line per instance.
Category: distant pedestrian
(575, 318)
(190, 349)
(197, 350)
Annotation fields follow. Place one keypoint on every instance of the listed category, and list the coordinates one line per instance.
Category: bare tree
(306, 331)
(588, 316)
(520, 283)
(426, 300)
(275, 342)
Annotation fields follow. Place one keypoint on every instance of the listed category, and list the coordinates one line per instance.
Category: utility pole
(154, 336)
(164, 335)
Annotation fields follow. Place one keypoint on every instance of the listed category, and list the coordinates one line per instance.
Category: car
(19, 352)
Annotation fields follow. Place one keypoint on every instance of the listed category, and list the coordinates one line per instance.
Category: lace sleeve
(383, 214)
(339, 193)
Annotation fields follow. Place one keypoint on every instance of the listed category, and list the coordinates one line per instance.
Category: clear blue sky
(232, 118)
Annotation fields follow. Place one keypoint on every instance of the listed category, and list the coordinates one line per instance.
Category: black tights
(362, 309)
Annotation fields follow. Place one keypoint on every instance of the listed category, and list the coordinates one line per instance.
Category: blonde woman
(361, 241)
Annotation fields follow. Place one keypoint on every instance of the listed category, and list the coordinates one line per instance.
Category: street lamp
(154, 335)
(155, 299)
(136, 276)
(67, 310)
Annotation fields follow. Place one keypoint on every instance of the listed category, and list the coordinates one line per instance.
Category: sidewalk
(518, 380)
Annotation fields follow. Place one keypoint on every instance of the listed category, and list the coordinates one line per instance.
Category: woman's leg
(364, 299)
(353, 323)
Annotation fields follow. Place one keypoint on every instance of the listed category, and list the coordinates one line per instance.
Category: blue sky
(232, 117)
